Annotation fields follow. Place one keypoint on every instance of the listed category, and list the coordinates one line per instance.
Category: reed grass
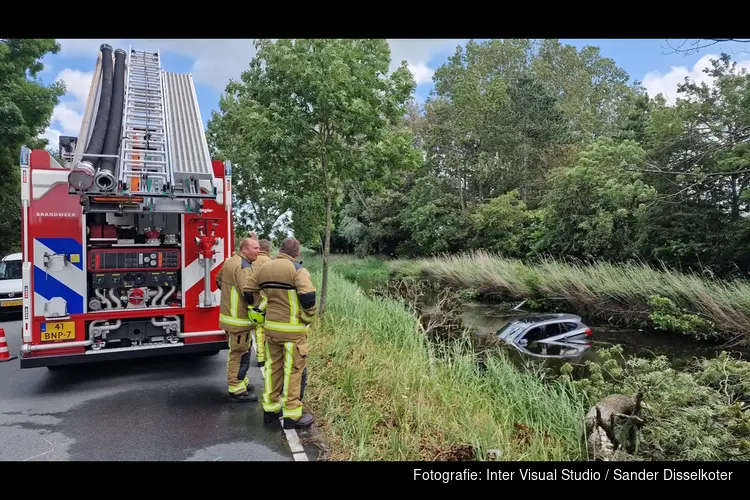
(616, 292)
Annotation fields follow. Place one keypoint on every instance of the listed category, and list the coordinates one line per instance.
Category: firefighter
(263, 258)
(233, 318)
(289, 306)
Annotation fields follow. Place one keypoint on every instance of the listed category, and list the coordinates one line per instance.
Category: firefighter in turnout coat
(263, 258)
(289, 307)
(233, 318)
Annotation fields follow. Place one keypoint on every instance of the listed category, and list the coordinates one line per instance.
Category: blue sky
(213, 62)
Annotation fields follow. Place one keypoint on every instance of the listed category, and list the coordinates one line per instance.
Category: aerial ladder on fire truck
(144, 165)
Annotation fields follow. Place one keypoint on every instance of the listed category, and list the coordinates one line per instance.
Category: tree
(321, 113)
(592, 87)
(592, 207)
(26, 106)
(261, 208)
(699, 162)
(688, 47)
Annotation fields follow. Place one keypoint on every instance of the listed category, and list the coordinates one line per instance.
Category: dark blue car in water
(549, 335)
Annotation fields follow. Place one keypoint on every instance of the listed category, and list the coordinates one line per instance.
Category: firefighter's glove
(256, 316)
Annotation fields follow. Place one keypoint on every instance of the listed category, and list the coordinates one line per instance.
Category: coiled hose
(105, 177)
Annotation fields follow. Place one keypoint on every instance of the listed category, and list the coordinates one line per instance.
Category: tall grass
(618, 291)
(367, 272)
(383, 392)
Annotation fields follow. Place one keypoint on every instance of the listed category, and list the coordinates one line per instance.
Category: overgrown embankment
(624, 294)
(383, 391)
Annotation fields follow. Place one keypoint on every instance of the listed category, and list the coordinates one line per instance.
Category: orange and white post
(4, 350)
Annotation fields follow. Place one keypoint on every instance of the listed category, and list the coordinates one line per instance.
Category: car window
(552, 329)
(534, 334)
(10, 270)
(569, 327)
(510, 330)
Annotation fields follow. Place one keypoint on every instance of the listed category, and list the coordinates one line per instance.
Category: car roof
(13, 256)
(547, 317)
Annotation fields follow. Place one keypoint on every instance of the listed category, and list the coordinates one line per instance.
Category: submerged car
(548, 335)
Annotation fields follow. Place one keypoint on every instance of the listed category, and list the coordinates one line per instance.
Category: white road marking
(298, 451)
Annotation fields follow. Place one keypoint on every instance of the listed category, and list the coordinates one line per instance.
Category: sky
(213, 62)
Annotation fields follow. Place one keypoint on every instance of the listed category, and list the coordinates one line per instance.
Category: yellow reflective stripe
(263, 304)
(234, 321)
(233, 301)
(285, 327)
(233, 318)
(271, 408)
(288, 346)
(293, 414)
(261, 352)
(246, 381)
(305, 317)
(292, 295)
(237, 388)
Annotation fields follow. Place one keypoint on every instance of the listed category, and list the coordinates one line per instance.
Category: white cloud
(52, 136)
(68, 114)
(666, 84)
(418, 54)
(215, 62)
(78, 85)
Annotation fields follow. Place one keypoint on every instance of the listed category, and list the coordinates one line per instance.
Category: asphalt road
(171, 408)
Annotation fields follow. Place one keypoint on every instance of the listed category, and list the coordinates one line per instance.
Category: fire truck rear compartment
(133, 261)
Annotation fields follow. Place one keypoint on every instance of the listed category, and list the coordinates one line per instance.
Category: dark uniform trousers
(284, 372)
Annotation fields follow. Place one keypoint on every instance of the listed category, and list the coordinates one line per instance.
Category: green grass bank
(382, 391)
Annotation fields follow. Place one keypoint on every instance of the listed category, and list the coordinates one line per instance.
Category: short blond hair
(246, 242)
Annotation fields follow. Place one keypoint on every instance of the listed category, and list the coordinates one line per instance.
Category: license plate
(63, 330)
(12, 303)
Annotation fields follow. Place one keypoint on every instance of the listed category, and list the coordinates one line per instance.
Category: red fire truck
(122, 242)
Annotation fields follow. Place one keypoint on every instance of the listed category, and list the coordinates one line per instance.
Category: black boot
(244, 397)
(269, 416)
(306, 420)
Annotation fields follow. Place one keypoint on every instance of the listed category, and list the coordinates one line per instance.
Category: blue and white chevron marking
(68, 284)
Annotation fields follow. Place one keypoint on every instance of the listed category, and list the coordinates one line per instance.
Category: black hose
(96, 144)
(112, 139)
